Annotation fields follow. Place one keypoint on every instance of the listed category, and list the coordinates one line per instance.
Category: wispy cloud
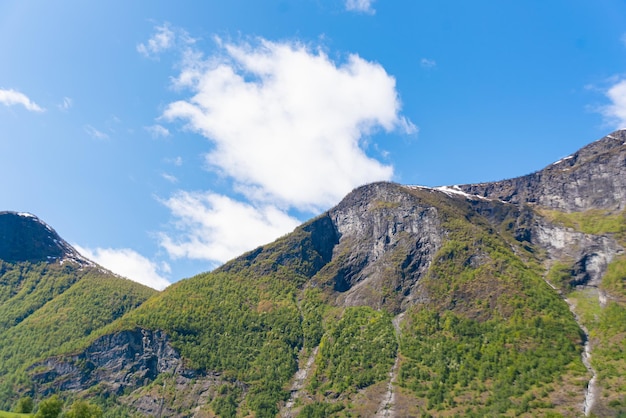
(428, 63)
(165, 37)
(12, 97)
(94, 133)
(172, 179)
(177, 161)
(289, 127)
(129, 264)
(65, 104)
(362, 6)
(158, 131)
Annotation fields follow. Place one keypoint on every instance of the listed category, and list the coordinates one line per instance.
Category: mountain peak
(25, 237)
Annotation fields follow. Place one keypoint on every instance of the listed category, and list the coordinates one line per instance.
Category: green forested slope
(48, 309)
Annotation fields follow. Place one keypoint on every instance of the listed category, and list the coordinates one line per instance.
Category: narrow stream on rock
(298, 384)
(386, 406)
(590, 390)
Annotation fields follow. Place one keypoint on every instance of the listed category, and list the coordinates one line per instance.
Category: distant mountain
(493, 299)
(51, 299)
(24, 237)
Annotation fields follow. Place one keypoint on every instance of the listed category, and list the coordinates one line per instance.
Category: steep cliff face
(387, 240)
(129, 362)
(592, 178)
(114, 362)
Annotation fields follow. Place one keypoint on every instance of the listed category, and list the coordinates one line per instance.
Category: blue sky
(163, 139)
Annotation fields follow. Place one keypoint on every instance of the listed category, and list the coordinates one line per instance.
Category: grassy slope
(6, 414)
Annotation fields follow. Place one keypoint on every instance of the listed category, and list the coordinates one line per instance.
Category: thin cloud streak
(12, 97)
(95, 134)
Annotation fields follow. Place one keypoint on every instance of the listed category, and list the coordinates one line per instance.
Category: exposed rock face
(127, 359)
(592, 178)
(591, 254)
(388, 238)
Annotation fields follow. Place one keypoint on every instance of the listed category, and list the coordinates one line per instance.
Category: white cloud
(289, 129)
(130, 264)
(158, 131)
(162, 40)
(216, 227)
(363, 6)
(428, 63)
(623, 39)
(94, 133)
(615, 112)
(12, 97)
(287, 123)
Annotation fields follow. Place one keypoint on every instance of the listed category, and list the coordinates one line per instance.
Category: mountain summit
(24, 237)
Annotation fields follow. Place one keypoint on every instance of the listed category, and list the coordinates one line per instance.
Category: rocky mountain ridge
(592, 178)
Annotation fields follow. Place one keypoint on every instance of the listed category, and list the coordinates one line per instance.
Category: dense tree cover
(26, 287)
(57, 307)
(248, 328)
(491, 331)
(355, 352)
(320, 410)
(83, 409)
(249, 319)
(25, 405)
(450, 360)
(50, 408)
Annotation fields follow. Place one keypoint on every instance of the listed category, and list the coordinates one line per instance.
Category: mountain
(51, 298)
(494, 299)
(26, 238)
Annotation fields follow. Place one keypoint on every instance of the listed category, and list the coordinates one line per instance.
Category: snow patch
(451, 191)
(26, 215)
(456, 190)
(569, 157)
